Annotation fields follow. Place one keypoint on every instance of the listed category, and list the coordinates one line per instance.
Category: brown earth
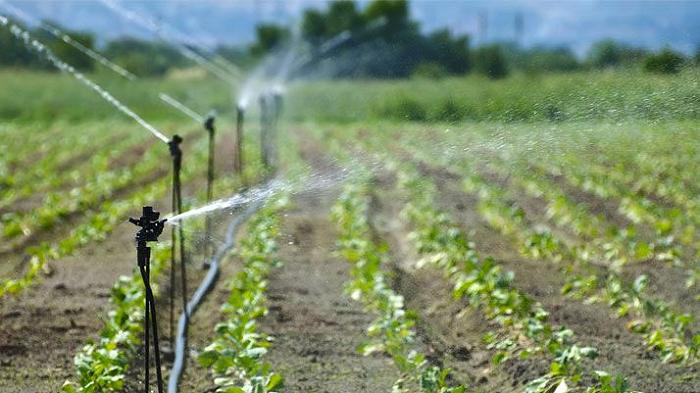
(42, 329)
(315, 325)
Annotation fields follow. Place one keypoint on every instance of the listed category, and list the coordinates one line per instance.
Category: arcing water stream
(150, 25)
(40, 48)
(314, 181)
(68, 40)
(182, 108)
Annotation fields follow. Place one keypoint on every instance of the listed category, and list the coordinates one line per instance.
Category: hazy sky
(573, 23)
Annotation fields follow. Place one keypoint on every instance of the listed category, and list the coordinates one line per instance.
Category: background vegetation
(380, 40)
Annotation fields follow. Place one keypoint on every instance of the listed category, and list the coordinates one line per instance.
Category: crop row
(617, 246)
(57, 162)
(97, 185)
(393, 331)
(234, 357)
(525, 327)
(101, 366)
(95, 227)
(525, 330)
(663, 328)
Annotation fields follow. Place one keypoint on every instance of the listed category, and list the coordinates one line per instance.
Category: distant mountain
(576, 24)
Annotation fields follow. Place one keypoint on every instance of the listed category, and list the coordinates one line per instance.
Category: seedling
(151, 228)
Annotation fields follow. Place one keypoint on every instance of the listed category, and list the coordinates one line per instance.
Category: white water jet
(68, 40)
(182, 108)
(40, 48)
(255, 194)
(155, 28)
(313, 182)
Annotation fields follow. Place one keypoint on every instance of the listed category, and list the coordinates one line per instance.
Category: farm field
(411, 238)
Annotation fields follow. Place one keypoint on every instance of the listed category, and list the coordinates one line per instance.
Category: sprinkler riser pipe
(209, 127)
(238, 141)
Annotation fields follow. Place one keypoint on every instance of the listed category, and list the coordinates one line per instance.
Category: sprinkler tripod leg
(146, 339)
(151, 323)
(151, 228)
(156, 345)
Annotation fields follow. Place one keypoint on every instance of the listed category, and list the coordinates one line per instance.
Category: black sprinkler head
(209, 122)
(174, 145)
(151, 227)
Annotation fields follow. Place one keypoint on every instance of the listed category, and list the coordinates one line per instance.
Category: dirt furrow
(315, 325)
(620, 350)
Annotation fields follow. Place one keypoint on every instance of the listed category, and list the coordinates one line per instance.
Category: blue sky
(576, 24)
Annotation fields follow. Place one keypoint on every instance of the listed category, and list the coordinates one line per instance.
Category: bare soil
(42, 329)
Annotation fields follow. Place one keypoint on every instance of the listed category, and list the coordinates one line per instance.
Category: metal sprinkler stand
(265, 109)
(270, 111)
(151, 228)
(238, 142)
(176, 154)
(274, 126)
(209, 126)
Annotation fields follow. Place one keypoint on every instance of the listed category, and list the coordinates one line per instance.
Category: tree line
(379, 40)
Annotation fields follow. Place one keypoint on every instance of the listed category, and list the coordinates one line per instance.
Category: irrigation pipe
(204, 287)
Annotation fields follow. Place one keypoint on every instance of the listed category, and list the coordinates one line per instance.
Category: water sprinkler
(176, 154)
(209, 126)
(151, 228)
(238, 142)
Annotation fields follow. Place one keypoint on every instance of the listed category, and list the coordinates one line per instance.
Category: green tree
(608, 53)
(13, 53)
(452, 53)
(342, 16)
(490, 61)
(394, 12)
(542, 59)
(144, 58)
(313, 26)
(268, 37)
(67, 52)
(666, 61)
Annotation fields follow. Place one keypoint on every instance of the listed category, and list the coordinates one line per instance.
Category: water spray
(208, 124)
(40, 48)
(182, 108)
(213, 68)
(151, 228)
(54, 31)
